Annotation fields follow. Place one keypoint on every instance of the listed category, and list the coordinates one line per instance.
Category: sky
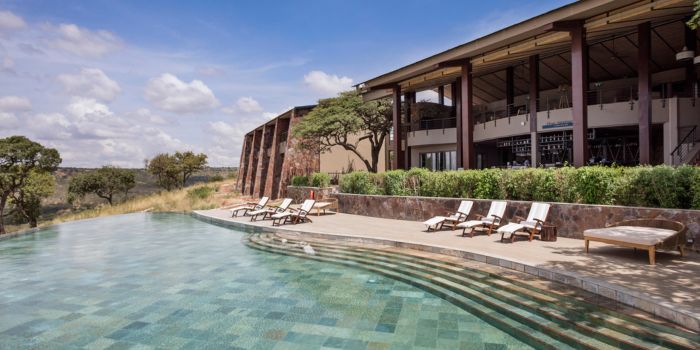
(117, 82)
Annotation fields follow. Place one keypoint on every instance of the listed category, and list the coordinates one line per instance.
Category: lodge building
(593, 82)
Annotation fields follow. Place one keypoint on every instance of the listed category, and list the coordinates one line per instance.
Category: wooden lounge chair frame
(273, 210)
(531, 231)
(295, 216)
(674, 242)
(251, 206)
(486, 226)
(452, 219)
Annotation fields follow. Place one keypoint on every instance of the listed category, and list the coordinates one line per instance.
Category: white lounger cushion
(538, 211)
(281, 215)
(511, 228)
(434, 221)
(475, 223)
(631, 234)
(249, 207)
(283, 207)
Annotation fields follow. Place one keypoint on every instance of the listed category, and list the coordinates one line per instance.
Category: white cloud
(145, 115)
(90, 82)
(249, 105)
(84, 109)
(244, 105)
(8, 121)
(50, 126)
(325, 83)
(14, 104)
(169, 93)
(82, 41)
(10, 21)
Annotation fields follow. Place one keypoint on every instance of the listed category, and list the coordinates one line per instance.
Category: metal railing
(684, 146)
(434, 124)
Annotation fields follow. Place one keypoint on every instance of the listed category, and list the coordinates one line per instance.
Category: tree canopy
(27, 199)
(175, 170)
(23, 163)
(346, 121)
(105, 183)
(694, 21)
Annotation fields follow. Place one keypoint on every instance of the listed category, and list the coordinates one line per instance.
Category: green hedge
(314, 180)
(646, 186)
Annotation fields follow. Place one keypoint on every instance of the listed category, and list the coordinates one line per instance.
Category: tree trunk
(33, 222)
(3, 201)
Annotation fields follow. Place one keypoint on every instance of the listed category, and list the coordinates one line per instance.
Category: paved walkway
(673, 278)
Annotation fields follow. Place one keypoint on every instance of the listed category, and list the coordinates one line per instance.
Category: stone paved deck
(673, 281)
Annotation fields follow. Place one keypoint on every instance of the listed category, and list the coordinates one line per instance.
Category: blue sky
(115, 82)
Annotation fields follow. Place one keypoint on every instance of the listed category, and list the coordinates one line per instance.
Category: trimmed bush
(646, 186)
(361, 182)
(300, 181)
(320, 180)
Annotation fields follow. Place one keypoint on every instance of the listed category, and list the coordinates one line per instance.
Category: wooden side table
(548, 233)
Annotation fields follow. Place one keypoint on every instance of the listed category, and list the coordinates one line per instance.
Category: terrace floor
(672, 279)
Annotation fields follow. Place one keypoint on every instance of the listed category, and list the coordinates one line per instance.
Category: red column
(579, 87)
(644, 86)
(465, 119)
(399, 161)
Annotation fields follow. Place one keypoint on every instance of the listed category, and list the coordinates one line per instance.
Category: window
(437, 161)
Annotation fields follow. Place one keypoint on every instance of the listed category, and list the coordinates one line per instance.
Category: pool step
(570, 332)
(556, 307)
(519, 303)
(520, 331)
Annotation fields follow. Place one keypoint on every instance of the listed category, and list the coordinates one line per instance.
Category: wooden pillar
(644, 86)
(510, 90)
(465, 119)
(441, 95)
(253, 161)
(534, 63)
(399, 161)
(579, 87)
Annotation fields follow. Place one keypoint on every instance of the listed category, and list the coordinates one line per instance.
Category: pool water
(168, 281)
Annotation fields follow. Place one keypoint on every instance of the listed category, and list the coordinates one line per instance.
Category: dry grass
(197, 197)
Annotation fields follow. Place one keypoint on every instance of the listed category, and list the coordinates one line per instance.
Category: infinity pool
(168, 281)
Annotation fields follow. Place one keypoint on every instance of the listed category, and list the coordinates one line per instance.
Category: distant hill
(145, 185)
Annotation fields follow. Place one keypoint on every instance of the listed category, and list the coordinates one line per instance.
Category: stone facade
(271, 156)
(571, 219)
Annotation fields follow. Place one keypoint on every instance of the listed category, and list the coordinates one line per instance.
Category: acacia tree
(173, 171)
(105, 183)
(188, 163)
(26, 201)
(346, 121)
(19, 159)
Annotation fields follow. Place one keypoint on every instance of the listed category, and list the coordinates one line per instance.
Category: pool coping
(637, 299)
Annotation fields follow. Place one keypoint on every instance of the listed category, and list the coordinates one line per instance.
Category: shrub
(660, 186)
(216, 178)
(300, 181)
(360, 182)
(320, 180)
(200, 192)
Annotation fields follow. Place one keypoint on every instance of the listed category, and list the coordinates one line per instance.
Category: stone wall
(570, 219)
(299, 193)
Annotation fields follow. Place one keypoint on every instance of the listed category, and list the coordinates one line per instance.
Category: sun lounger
(647, 234)
(452, 219)
(294, 216)
(268, 212)
(249, 207)
(532, 225)
(488, 222)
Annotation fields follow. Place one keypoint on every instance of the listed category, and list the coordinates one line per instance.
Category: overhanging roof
(513, 44)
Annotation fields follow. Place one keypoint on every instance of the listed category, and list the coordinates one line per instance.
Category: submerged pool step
(511, 305)
(519, 330)
(482, 288)
(555, 307)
